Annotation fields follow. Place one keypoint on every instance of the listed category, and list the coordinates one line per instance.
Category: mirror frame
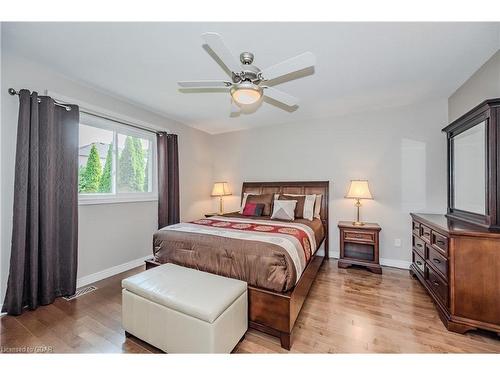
(489, 113)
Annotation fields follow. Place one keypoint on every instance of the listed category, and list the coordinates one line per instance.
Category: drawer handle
(436, 260)
(419, 262)
(419, 245)
(435, 283)
(440, 242)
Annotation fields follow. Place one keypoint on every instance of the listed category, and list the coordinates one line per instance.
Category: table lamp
(220, 190)
(359, 190)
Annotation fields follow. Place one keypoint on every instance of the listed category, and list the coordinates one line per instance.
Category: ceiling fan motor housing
(248, 71)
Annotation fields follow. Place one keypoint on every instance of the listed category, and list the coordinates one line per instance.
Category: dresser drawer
(416, 228)
(419, 263)
(437, 285)
(438, 261)
(419, 246)
(425, 233)
(439, 242)
(358, 236)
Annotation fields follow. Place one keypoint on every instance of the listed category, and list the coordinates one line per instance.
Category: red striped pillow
(253, 209)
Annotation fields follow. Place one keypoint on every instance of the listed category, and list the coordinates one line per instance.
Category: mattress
(268, 254)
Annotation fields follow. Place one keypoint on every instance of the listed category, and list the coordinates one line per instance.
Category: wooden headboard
(293, 187)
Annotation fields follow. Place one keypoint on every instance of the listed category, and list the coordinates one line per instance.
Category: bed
(277, 259)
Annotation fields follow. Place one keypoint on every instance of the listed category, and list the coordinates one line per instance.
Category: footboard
(276, 313)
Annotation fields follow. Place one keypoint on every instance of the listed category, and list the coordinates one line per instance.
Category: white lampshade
(359, 190)
(220, 189)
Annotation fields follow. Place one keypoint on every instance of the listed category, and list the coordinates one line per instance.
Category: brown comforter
(260, 264)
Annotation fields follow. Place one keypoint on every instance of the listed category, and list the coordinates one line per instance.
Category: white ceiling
(359, 65)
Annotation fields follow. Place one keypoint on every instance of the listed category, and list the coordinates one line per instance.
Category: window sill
(106, 200)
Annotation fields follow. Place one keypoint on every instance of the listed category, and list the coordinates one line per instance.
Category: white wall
(401, 151)
(483, 84)
(109, 235)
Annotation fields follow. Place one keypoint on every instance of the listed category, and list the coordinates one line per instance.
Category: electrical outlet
(397, 242)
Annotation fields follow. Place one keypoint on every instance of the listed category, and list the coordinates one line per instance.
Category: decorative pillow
(317, 206)
(253, 209)
(299, 208)
(244, 202)
(284, 210)
(266, 199)
(310, 199)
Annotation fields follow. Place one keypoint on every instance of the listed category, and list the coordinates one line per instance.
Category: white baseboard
(92, 278)
(396, 263)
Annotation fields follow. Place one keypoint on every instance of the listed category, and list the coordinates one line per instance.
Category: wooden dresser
(459, 265)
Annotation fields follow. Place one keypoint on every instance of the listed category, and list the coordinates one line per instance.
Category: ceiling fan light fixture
(246, 93)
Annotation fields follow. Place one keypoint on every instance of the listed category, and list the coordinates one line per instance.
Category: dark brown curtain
(168, 179)
(43, 256)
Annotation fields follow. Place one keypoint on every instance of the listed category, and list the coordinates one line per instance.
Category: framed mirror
(472, 166)
(469, 169)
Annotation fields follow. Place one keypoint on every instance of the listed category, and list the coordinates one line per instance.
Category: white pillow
(308, 204)
(317, 206)
(284, 210)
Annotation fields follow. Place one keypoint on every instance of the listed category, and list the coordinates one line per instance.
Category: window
(116, 162)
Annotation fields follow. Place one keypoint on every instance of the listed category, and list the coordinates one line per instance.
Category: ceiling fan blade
(280, 96)
(217, 45)
(291, 65)
(200, 84)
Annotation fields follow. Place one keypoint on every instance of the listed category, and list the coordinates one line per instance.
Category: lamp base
(358, 223)
(221, 207)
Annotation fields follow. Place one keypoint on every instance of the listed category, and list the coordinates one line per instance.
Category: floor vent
(80, 292)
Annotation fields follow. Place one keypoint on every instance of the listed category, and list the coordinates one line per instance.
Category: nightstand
(359, 245)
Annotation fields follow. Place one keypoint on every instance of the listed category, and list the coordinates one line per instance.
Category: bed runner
(299, 234)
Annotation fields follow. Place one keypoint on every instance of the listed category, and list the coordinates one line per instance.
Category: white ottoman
(182, 310)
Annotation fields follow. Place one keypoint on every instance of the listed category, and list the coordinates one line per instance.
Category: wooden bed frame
(272, 312)
(275, 313)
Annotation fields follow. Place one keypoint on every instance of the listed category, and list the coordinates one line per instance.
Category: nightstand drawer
(358, 236)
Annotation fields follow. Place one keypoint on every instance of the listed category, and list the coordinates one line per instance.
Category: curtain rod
(65, 106)
(68, 108)
(143, 128)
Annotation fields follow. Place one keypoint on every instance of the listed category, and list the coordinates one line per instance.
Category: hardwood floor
(347, 311)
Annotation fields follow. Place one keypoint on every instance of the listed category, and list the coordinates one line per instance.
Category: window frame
(118, 124)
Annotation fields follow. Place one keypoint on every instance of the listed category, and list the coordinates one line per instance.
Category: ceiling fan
(247, 84)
